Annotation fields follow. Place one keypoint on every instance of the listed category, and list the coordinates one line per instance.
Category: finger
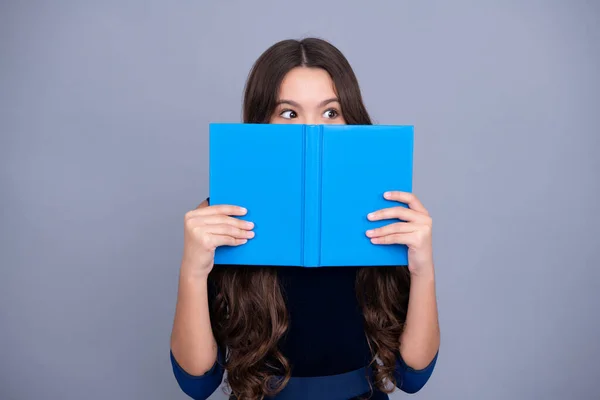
(225, 229)
(221, 209)
(224, 240)
(399, 212)
(225, 219)
(407, 198)
(398, 227)
(396, 238)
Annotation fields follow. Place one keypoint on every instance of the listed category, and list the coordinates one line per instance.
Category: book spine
(313, 152)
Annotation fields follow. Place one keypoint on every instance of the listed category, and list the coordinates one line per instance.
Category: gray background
(104, 109)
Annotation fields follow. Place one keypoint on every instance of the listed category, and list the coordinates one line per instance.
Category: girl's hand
(413, 230)
(208, 227)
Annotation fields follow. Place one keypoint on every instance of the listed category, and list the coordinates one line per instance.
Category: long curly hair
(248, 313)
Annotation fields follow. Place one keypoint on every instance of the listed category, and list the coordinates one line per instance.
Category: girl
(304, 333)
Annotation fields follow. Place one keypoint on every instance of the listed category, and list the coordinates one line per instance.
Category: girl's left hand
(413, 230)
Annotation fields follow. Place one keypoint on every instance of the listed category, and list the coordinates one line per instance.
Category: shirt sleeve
(199, 387)
(411, 380)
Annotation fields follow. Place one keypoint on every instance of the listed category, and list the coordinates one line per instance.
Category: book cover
(308, 190)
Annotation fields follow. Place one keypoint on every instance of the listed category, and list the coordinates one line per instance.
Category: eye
(288, 114)
(331, 113)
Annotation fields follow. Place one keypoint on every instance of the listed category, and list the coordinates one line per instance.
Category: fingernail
(369, 232)
(250, 234)
(387, 195)
(249, 224)
(371, 215)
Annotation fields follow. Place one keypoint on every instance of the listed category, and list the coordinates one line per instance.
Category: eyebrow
(294, 104)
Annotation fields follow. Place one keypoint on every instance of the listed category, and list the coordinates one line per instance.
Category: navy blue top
(326, 334)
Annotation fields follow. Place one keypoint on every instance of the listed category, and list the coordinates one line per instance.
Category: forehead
(307, 85)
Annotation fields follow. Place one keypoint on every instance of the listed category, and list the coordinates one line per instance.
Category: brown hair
(249, 312)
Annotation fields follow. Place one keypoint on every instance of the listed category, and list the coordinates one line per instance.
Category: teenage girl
(305, 333)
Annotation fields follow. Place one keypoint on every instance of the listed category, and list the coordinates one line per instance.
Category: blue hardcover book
(308, 190)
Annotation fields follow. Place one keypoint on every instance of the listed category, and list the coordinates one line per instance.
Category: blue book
(308, 190)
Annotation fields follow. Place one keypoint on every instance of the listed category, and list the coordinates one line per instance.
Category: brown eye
(331, 113)
(288, 114)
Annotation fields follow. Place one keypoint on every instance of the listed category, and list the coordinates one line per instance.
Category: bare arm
(192, 341)
(420, 340)
(207, 227)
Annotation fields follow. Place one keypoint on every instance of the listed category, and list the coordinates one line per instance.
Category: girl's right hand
(208, 227)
